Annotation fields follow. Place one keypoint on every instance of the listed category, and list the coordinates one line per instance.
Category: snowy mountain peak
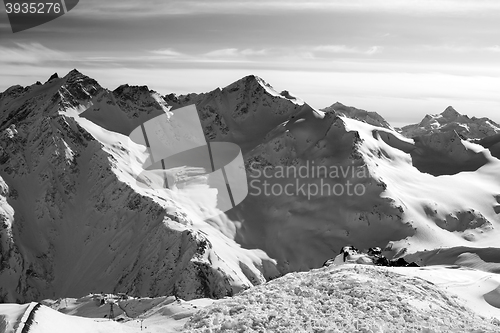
(254, 78)
(77, 90)
(253, 82)
(120, 110)
(243, 112)
(263, 83)
(52, 77)
(74, 76)
(74, 71)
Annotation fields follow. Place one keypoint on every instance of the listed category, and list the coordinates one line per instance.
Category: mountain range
(450, 120)
(74, 221)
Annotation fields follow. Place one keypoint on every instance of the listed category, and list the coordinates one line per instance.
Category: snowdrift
(349, 298)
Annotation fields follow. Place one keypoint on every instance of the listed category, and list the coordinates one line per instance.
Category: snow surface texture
(349, 298)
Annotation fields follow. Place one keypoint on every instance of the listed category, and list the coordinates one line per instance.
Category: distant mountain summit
(243, 112)
(450, 113)
(451, 120)
(369, 117)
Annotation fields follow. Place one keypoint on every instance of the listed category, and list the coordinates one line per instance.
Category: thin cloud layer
(495, 48)
(193, 7)
(169, 52)
(347, 49)
(30, 53)
(365, 46)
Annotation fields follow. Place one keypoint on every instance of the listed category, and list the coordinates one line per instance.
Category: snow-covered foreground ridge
(74, 221)
(349, 298)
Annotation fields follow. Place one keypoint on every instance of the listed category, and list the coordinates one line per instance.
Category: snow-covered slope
(436, 191)
(492, 143)
(350, 298)
(40, 319)
(73, 219)
(444, 210)
(451, 120)
(160, 314)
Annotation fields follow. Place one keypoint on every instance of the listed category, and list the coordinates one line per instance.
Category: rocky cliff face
(73, 223)
(445, 154)
(244, 112)
(124, 108)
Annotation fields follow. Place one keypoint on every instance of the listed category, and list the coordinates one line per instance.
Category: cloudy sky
(401, 58)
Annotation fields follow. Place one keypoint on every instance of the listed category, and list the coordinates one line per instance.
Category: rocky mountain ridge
(73, 222)
(369, 117)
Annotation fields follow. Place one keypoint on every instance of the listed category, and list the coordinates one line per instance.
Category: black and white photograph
(266, 166)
